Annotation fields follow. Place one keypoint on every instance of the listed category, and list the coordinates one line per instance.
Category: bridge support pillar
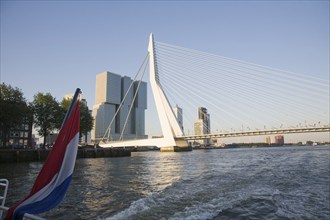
(181, 145)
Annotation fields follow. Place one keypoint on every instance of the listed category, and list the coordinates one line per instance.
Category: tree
(48, 114)
(14, 110)
(65, 104)
(86, 119)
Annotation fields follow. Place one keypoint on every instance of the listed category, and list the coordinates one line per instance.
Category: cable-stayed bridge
(242, 98)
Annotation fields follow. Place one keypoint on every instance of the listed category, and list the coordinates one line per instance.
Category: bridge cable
(132, 103)
(257, 88)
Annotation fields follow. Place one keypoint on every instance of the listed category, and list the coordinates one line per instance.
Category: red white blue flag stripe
(54, 178)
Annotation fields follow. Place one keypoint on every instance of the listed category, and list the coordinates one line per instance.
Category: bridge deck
(259, 132)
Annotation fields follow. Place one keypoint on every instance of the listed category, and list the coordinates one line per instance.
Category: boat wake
(193, 199)
(256, 188)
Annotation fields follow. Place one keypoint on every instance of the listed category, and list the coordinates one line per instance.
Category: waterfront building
(178, 114)
(202, 125)
(140, 105)
(21, 137)
(279, 139)
(68, 96)
(110, 91)
(198, 127)
(268, 140)
(50, 139)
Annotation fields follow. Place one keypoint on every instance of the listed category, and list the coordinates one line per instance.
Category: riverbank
(27, 155)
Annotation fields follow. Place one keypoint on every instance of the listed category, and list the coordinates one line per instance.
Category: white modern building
(115, 94)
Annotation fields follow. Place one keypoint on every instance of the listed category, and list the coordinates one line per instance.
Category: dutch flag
(55, 176)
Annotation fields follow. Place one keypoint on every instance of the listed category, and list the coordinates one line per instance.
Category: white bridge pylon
(172, 139)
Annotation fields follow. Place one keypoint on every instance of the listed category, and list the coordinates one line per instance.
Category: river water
(245, 183)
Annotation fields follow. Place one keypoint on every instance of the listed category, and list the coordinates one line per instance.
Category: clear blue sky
(55, 46)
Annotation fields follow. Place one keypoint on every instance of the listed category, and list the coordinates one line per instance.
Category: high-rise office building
(203, 115)
(178, 114)
(111, 89)
(202, 125)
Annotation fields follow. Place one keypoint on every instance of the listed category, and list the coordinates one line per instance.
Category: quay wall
(27, 155)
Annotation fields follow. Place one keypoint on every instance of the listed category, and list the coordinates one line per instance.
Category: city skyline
(58, 48)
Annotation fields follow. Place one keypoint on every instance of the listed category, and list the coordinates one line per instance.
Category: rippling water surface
(254, 183)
